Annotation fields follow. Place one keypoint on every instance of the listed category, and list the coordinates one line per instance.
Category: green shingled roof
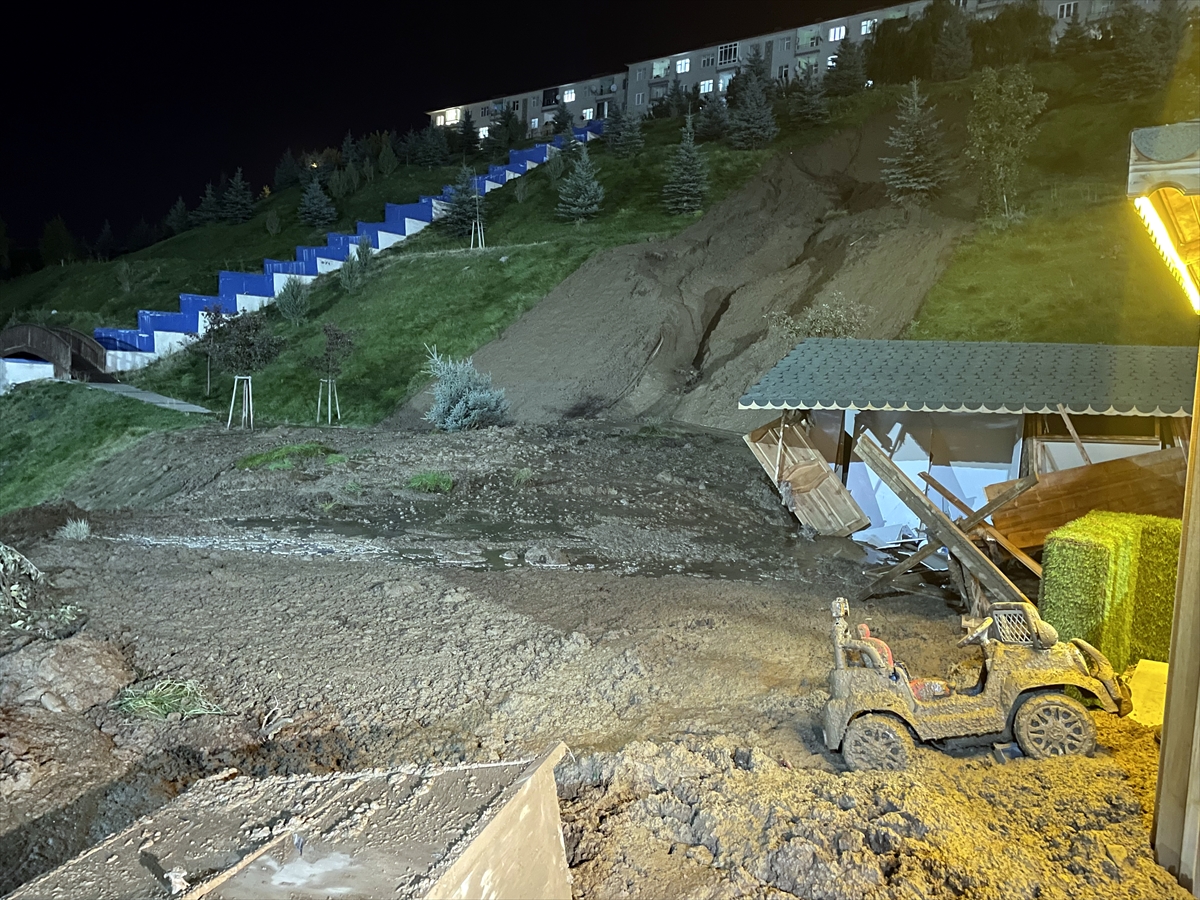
(969, 376)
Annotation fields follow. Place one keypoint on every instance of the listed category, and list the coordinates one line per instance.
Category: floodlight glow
(1162, 240)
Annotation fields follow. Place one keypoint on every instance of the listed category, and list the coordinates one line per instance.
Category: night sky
(114, 117)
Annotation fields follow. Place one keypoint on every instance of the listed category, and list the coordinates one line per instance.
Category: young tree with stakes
(1000, 131)
(466, 205)
(243, 345)
(580, 194)
(339, 345)
(206, 344)
(921, 165)
(316, 209)
(687, 185)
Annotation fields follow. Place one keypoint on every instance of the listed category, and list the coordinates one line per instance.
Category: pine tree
(752, 122)
(509, 129)
(387, 160)
(432, 149)
(952, 49)
(848, 75)
(287, 171)
(614, 128)
(177, 220)
(353, 176)
(806, 101)
(209, 209)
(237, 203)
(105, 242)
(625, 139)
(713, 122)
(921, 164)
(687, 184)
(1000, 130)
(562, 118)
(1076, 39)
(316, 209)
(1144, 51)
(469, 133)
(57, 245)
(677, 100)
(580, 194)
(465, 204)
(349, 152)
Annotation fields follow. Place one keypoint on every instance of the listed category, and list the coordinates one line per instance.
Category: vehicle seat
(864, 634)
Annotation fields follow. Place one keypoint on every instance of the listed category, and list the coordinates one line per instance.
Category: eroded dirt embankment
(678, 329)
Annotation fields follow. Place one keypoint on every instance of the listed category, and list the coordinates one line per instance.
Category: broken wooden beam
(939, 524)
(1017, 553)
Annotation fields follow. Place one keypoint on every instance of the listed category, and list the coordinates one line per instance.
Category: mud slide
(678, 329)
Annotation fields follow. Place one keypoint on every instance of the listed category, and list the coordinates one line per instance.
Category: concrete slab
(489, 830)
(133, 393)
(1149, 688)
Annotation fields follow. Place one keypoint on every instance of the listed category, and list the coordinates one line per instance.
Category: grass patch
(165, 698)
(334, 459)
(353, 488)
(50, 433)
(74, 530)
(431, 483)
(282, 457)
(522, 477)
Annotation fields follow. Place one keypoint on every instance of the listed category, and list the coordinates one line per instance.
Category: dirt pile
(709, 818)
(677, 328)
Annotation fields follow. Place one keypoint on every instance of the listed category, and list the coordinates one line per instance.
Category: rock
(73, 674)
(1118, 854)
(549, 557)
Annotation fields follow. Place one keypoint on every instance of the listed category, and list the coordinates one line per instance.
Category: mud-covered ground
(635, 592)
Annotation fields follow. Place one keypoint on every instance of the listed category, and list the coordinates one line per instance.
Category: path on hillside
(133, 393)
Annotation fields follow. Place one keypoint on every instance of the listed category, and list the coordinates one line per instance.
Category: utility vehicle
(875, 708)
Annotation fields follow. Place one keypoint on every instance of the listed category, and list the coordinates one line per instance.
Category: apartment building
(710, 69)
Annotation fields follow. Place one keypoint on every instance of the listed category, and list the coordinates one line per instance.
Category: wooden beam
(939, 523)
(1176, 831)
(1017, 553)
(1011, 493)
(1066, 417)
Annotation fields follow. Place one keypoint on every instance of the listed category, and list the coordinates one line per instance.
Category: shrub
(463, 397)
(74, 530)
(522, 477)
(352, 273)
(834, 318)
(272, 223)
(1109, 578)
(292, 300)
(431, 483)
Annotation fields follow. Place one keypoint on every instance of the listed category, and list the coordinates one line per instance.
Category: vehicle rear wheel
(1054, 725)
(878, 741)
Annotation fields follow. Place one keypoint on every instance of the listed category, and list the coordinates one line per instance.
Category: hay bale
(1109, 578)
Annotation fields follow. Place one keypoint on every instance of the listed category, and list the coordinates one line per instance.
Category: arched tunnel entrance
(73, 354)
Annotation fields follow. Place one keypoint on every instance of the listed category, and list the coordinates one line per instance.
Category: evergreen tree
(353, 176)
(316, 209)
(849, 74)
(580, 194)
(287, 171)
(1000, 130)
(407, 147)
(141, 235)
(625, 137)
(952, 49)
(469, 133)
(806, 101)
(1077, 39)
(1018, 33)
(465, 204)
(752, 122)
(57, 245)
(1145, 49)
(678, 102)
(105, 242)
(432, 149)
(177, 220)
(687, 184)
(209, 209)
(237, 203)
(921, 164)
(713, 122)
(562, 121)
(509, 129)
(387, 160)
(349, 152)
(755, 69)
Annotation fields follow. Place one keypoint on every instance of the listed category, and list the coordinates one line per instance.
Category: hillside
(645, 314)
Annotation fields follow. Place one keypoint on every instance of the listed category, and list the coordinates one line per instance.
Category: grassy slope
(49, 433)
(1080, 267)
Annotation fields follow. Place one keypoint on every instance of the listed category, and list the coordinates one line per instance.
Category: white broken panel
(410, 832)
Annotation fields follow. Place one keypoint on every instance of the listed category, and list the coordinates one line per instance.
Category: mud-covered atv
(875, 708)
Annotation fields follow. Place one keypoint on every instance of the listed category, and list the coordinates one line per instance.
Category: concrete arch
(73, 354)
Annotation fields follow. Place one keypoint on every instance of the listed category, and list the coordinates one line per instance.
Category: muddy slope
(677, 328)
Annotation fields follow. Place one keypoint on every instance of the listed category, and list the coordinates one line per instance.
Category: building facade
(710, 69)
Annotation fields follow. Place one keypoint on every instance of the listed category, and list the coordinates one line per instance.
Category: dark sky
(114, 117)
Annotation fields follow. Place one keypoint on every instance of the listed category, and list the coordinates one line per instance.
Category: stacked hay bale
(1109, 578)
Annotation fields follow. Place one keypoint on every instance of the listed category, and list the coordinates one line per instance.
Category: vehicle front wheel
(1054, 725)
(877, 741)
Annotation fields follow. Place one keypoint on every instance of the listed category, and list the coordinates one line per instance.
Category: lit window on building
(589, 114)
(683, 65)
(440, 120)
(660, 68)
(706, 86)
(453, 116)
(726, 54)
(569, 95)
(831, 62)
(837, 33)
(724, 80)
(483, 131)
(868, 26)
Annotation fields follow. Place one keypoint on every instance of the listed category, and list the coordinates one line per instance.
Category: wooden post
(1176, 832)
(1066, 417)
